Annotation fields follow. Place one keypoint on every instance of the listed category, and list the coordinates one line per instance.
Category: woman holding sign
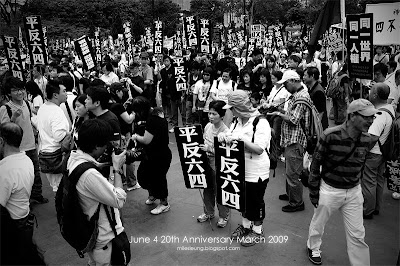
(255, 132)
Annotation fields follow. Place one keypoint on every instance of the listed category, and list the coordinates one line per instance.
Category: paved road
(158, 240)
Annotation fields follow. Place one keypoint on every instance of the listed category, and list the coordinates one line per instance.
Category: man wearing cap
(341, 154)
(255, 65)
(295, 126)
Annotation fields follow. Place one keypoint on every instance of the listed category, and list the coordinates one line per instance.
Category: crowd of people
(124, 110)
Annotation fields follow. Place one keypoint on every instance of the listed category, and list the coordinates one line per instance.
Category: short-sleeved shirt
(138, 81)
(222, 89)
(202, 90)
(381, 127)
(16, 179)
(112, 119)
(37, 101)
(158, 127)
(317, 95)
(118, 109)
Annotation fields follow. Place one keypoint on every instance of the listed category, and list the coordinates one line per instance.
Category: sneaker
(284, 197)
(137, 186)
(150, 201)
(222, 222)
(368, 216)
(240, 232)
(253, 238)
(160, 209)
(314, 256)
(204, 217)
(38, 200)
(289, 208)
(171, 130)
(396, 195)
(282, 159)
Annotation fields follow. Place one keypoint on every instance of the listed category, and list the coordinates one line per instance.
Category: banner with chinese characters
(386, 27)
(333, 40)
(85, 51)
(205, 36)
(191, 31)
(148, 37)
(13, 57)
(258, 34)
(217, 36)
(158, 37)
(110, 43)
(35, 40)
(193, 159)
(180, 74)
(393, 175)
(178, 45)
(128, 39)
(229, 38)
(97, 45)
(360, 45)
(229, 165)
(278, 36)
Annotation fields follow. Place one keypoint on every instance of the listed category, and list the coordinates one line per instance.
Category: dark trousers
(37, 183)
(254, 202)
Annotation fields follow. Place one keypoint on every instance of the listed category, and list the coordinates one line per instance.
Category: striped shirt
(299, 118)
(334, 145)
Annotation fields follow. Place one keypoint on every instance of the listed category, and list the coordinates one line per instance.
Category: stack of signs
(158, 37)
(334, 41)
(148, 37)
(360, 45)
(193, 160)
(230, 165)
(97, 45)
(180, 74)
(13, 57)
(278, 37)
(191, 31)
(35, 40)
(178, 45)
(85, 51)
(128, 38)
(393, 175)
(258, 33)
(205, 36)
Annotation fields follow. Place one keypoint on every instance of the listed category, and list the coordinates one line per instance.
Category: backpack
(390, 148)
(233, 85)
(80, 232)
(333, 89)
(316, 130)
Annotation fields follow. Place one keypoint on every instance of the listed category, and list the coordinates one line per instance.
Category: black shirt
(119, 109)
(158, 147)
(138, 81)
(112, 119)
(317, 95)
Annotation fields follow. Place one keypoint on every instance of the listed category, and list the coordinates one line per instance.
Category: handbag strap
(110, 220)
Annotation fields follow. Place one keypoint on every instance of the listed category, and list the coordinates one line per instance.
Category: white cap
(289, 74)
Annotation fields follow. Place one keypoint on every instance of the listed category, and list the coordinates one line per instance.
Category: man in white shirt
(380, 73)
(94, 189)
(18, 111)
(109, 77)
(373, 181)
(16, 179)
(53, 128)
(220, 90)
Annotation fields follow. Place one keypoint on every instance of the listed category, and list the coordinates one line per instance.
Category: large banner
(13, 57)
(35, 40)
(258, 34)
(178, 44)
(193, 159)
(128, 39)
(205, 36)
(180, 74)
(360, 45)
(158, 37)
(85, 51)
(148, 37)
(191, 31)
(386, 25)
(229, 165)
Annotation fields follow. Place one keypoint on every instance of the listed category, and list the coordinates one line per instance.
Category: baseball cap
(363, 107)
(289, 74)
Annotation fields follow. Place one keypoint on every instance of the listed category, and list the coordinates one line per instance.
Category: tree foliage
(208, 9)
(74, 18)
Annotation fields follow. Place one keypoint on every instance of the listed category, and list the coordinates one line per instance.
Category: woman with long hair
(271, 64)
(35, 95)
(82, 114)
(246, 83)
(152, 172)
(265, 81)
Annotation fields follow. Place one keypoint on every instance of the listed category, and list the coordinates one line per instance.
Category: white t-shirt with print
(381, 127)
(202, 89)
(223, 89)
